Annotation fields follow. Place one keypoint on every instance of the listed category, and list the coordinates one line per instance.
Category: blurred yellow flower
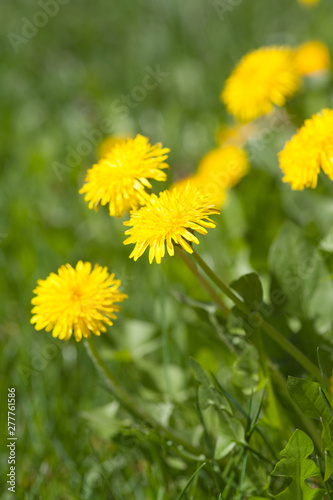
(108, 143)
(120, 178)
(192, 180)
(263, 78)
(170, 218)
(218, 171)
(235, 135)
(76, 301)
(310, 149)
(221, 169)
(308, 2)
(312, 57)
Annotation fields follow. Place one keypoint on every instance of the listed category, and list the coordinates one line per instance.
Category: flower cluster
(80, 301)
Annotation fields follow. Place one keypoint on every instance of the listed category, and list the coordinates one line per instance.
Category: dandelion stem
(130, 405)
(207, 286)
(257, 319)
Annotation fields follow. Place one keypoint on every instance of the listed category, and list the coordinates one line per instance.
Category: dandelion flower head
(263, 78)
(312, 57)
(309, 2)
(76, 301)
(168, 219)
(121, 177)
(236, 135)
(108, 143)
(221, 169)
(309, 150)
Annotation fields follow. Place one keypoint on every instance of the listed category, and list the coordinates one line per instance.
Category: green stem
(207, 286)
(257, 319)
(130, 405)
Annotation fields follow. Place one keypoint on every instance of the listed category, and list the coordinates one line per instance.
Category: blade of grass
(321, 369)
(326, 401)
(256, 416)
(241, 481)
(190, 480)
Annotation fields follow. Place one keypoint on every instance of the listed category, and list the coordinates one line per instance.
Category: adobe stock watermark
(223, 7)
(41, 357)
(233, 170)
(121, 109)
(30, 27)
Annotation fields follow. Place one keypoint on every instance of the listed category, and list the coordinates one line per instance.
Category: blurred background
(74, 72)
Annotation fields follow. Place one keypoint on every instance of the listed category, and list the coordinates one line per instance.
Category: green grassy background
(64, 81)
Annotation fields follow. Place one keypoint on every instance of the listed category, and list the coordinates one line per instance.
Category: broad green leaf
(326, 243)
(296, 464)
(300, 271)
(200, 374)
(246, 368)
(103, 419)
(208, 395)
(327, 447)
(306, 395)
(249, 287)
(231, 432)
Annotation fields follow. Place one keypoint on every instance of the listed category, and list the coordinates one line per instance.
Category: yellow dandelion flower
(170, 218)
(312, 57)
(104, 148)
(310, 149)
(308, 2)
(121, 176)
(76, 300)
(236, 135)
(108, 143)
(221, 169)
(263, 78)
(192, 180)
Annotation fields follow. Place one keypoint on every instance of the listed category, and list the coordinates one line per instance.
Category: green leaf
(207, 394)
(231, 432)
(296, 464)
(103, 419)
(327, 447)
(301, 274)
(250, 289)
(200, 374)
(307, 396)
